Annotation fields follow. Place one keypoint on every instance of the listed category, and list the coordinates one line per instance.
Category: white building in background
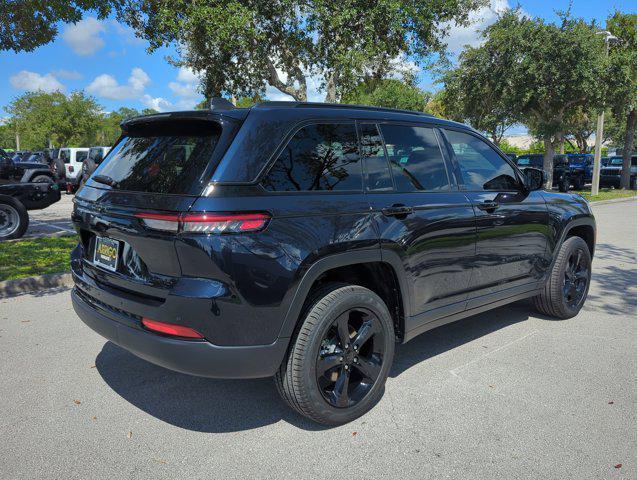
(521, 140)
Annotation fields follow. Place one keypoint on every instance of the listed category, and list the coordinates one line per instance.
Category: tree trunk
(549, 153)
(332, 83)
(17, 140)
(629, 140)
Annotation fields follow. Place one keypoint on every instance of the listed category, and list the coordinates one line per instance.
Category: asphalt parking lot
(503, 395)
(52, 221)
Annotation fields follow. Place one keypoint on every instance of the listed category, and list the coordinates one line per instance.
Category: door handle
(397, 211)
(488, 206)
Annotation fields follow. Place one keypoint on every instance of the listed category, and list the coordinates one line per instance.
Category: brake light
(171, 329)
(205, 222)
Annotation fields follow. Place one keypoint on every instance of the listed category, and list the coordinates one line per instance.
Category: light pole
(599, 134)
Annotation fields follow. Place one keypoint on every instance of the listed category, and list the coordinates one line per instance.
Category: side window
(377, 174)
(64, 155)
(481, 167)
(415, 158)
(80, 156)
(318, 157)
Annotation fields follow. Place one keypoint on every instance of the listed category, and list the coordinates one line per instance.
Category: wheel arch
(364, 268)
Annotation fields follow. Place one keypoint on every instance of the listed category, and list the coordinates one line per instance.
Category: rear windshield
(161, 159)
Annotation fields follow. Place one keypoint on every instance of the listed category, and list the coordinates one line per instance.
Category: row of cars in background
(33, 180)
(576, 170)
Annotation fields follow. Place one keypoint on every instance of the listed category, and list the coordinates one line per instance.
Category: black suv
(304, 241)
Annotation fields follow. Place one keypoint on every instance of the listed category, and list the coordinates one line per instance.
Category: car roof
(298, 109)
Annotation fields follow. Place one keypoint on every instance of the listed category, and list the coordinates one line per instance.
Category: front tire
(567, 287)
(339, 360)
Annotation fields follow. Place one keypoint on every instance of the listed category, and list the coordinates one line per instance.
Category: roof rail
(337, 105)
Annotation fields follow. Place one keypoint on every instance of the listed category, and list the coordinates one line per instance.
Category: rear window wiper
(106, 180)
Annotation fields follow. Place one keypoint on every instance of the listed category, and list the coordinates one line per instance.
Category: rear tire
(567, 287)
(14, 219)
(578, 183)
(334, 381)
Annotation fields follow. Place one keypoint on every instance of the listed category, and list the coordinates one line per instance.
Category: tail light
(171, 329)
(71, 169)
(205, 222)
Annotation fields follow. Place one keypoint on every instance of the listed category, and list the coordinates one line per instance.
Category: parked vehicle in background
(580, 169)
(561, 172)
(304, 241)
(512, 156)
(604, 161)
(24, 172)
(16, 198)
(73, 159)
(610, 175)
(36, 157)
(95, 157)
(21, 155)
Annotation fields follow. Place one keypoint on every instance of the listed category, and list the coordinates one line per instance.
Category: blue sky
(105, 59)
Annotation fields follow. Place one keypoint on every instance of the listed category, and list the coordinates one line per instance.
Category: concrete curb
(11, 288)
(614, 200)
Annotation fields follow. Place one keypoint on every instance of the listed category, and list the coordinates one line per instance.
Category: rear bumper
(194, 357)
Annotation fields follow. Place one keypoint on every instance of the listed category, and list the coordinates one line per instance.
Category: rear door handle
(488, 206)
(397, 211)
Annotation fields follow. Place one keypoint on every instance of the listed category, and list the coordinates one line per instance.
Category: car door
(425, 224)
(512, 223)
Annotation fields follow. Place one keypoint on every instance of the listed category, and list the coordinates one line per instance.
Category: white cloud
(107, 86)
(25, 80)
(67, 74)
(458, 37)
(187, 84)
(157, 103)
(84, 37)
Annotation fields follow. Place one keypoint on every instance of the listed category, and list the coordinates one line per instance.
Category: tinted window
(415, 158)
(64, 155)
(160, 164)
(80, 156)
(481, 167)
(377, 174)
(96, 155)
(318, 157)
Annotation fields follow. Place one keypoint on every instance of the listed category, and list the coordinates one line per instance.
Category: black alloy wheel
(350, 358)
(576, 277)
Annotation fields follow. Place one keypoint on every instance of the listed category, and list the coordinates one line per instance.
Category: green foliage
(28, 24)
(42, 119)
(241, 46)
(622, 84)
(391, 93)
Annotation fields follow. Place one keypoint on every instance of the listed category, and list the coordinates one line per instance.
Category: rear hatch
(158, 167)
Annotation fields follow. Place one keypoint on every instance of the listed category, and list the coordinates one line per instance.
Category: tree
(46, 119)
(622, 82)
(391, 93)
(240, 46)
(579, 126)
(476, 91)
(28, 24)
(543, 72)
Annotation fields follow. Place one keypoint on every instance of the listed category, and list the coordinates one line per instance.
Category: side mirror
(534, 178)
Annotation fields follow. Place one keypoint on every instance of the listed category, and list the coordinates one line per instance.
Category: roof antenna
(219, 103)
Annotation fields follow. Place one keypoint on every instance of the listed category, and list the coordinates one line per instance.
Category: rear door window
(165, 159)
(64, 155)
(318, 157)
(415, 158)
(81, 155)
(377, 173)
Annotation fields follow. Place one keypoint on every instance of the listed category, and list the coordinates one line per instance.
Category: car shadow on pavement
(210, 405)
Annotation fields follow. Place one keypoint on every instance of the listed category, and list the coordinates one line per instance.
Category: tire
(299, 381)
(14, 219)
(42, 179)
(554, 301)
(578, 183)
(563, 185)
